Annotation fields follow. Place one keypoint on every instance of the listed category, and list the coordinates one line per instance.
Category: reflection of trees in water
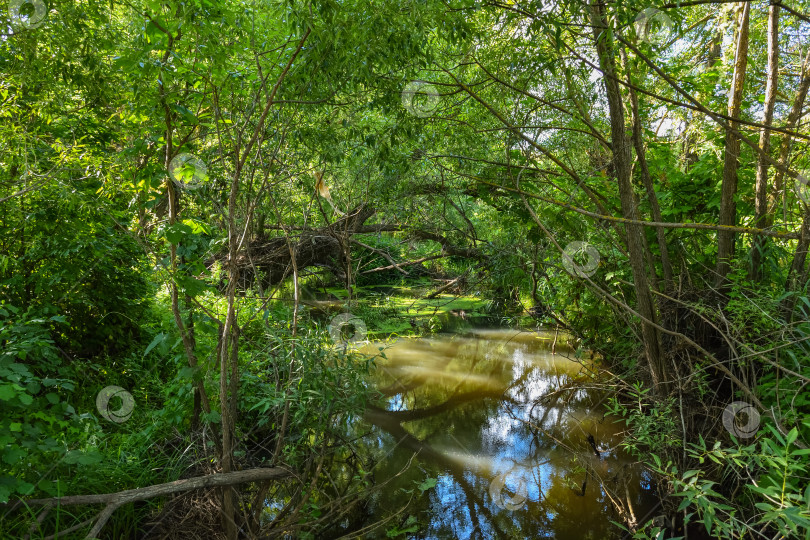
(577, 490)
(582, 464)
(429, 455)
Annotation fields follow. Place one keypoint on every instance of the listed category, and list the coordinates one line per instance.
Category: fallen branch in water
(444, 287)
(409, 263)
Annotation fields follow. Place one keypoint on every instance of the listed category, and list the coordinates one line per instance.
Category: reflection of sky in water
(446, 492)
(535, 435)
(396, 403)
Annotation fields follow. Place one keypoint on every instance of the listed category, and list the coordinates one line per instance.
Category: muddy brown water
(503, 426)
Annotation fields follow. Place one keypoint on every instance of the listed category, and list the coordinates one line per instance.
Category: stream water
(509, 430)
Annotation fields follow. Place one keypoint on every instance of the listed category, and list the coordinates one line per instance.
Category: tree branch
(115, 500)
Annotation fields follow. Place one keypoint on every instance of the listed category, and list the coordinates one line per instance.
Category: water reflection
(515, 435)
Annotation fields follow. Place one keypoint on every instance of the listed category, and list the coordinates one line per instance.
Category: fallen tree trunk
(270, 259)
(115, 500)
(446, 286)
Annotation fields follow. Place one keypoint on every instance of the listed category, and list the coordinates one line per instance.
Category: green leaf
(90, 458)
(24, 488)
(155, 342)
(48, 486)
(7, 486)
(197, 227)
(82, 458)
(187, 372)
(187, 116)
(174, 236)
(12, 455)
(427, 484)
(176, 232)
(7, 392)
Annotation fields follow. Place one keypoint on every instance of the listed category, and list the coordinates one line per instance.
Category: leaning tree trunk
(728, 207)
(622, 160)
(794, 281)
(646, 177)
(762, 217)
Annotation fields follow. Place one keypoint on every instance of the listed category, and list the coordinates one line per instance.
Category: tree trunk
(728, 206)
(655, 209)
(793, 281)
(622, 160)
(229, 356)
(784, 150)
(229, 350)
(762, 217)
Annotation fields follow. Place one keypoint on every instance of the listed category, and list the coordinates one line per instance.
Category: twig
(381, 252)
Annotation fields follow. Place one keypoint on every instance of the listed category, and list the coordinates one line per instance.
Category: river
(516, 437)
